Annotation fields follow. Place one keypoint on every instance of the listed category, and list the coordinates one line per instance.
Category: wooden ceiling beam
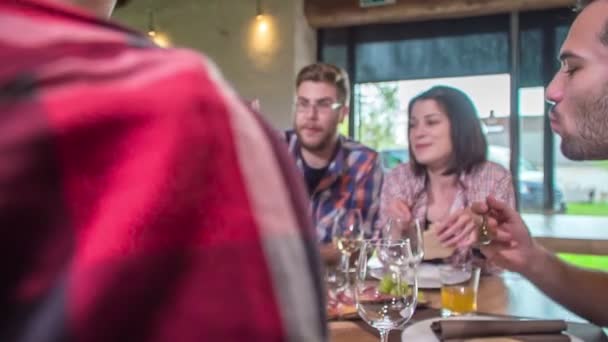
(343, 13)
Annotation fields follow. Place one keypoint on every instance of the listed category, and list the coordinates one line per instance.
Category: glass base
(449, 313)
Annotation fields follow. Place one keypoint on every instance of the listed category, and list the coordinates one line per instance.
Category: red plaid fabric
(140, 200)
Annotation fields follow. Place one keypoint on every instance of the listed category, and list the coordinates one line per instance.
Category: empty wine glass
(397, 229)
(347, 235)
(387, 299)
(335, 278)
(336, 281)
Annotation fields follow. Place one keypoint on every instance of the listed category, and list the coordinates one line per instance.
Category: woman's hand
(330, 255)
(460, 229)
(398, 209)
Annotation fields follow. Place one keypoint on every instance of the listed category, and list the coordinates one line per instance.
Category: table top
(508, 294)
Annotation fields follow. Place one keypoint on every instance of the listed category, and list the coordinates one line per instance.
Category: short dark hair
(327, 73)
(468, 141)
(580, 5)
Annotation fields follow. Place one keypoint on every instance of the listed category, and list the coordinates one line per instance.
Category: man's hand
(460, 229)
(512, 246)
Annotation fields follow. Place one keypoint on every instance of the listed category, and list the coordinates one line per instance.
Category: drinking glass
(347, 234)
(387, 299)
(397, 229)
(336, 281)
(459, 286)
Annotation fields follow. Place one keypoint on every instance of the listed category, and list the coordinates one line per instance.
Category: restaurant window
(389, 64)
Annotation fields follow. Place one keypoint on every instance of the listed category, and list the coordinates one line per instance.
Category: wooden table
(508, 294)
(569, 234)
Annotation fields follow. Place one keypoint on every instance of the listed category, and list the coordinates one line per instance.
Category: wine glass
(398, 229)
(387, 299)
(336, 281)
(347, 235)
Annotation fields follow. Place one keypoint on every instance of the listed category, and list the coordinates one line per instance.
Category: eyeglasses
(323, 106)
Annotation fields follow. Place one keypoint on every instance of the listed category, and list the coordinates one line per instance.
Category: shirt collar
(336, 167)
(463, 183)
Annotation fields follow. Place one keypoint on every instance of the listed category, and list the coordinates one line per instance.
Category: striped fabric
(353, 181)
(140, 200)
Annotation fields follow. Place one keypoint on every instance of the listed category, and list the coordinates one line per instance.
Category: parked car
(530, 178)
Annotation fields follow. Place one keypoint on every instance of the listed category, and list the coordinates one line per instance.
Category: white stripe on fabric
(283, 247)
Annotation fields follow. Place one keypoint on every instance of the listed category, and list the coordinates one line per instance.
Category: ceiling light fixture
(151, 23)
(259, 13)
(156, 36)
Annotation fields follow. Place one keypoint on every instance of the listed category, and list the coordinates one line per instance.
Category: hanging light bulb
(263, 25)
(151, 23)
(157, 37)
(259, 13)
(261, 20)
(263, 42)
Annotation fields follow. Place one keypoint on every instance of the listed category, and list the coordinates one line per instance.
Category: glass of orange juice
(459, 285)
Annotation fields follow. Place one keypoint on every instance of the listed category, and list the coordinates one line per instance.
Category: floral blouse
(486, 179)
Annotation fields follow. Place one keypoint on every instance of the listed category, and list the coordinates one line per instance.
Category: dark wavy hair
(468, 141)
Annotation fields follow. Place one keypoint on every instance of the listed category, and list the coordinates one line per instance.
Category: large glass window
(390, 64)
(382, 109)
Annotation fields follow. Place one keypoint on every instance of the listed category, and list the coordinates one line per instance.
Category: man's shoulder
(351, 146)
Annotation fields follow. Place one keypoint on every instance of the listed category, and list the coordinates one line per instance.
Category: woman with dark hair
(448, 170)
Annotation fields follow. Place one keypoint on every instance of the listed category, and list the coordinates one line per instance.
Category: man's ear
(344, 110)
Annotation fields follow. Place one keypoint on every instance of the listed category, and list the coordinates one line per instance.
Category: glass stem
(345, 262)
(383, 335)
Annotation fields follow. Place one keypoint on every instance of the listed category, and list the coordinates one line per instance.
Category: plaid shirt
(353, 180)
(134, 194)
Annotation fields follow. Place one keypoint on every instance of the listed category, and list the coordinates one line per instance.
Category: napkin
(518, 330)
(432, 248)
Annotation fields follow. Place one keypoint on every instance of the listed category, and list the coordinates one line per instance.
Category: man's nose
(555, 90)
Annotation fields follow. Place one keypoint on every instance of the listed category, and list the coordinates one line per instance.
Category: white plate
(421, 331)
(374, 262)
(427, 274)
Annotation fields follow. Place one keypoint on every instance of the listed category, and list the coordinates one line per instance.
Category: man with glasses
(340, 173)
(579, 95)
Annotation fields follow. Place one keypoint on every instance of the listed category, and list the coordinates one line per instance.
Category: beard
(591, 122)
(322, 144)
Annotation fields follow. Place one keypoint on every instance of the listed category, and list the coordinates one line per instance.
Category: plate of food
(426, 273)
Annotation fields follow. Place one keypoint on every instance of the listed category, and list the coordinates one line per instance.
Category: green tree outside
(378, 108)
